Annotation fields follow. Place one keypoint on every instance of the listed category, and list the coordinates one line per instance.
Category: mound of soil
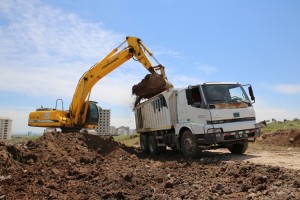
(288, 137)
(83, 166)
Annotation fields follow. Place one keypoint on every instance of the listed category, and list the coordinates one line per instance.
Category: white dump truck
(196, 118)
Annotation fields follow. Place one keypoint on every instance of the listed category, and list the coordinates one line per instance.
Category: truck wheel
(144, 142)
(188, 145)
(238, 148)
(153, 148)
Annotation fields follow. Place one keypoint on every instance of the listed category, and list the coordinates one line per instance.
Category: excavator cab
(92, 116)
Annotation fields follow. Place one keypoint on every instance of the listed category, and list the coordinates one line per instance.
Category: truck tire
(153, 148)
(238, 148)
(144, 142)
(188, 145)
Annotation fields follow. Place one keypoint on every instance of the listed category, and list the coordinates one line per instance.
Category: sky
(46, 46)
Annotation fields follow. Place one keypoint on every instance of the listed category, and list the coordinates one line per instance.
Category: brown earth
(287, 137)
(84, 166)
(151, 85)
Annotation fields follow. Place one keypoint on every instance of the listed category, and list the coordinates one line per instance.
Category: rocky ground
(84, 166)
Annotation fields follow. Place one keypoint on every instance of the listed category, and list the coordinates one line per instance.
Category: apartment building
(104, 121)
(5, 128)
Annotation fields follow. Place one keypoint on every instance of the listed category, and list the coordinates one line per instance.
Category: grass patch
(128, 140)
(274, 126)
(22, 139)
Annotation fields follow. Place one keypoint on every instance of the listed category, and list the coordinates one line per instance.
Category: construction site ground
(85, 166)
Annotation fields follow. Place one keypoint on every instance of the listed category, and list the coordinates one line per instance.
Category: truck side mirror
(251, 93)
(188, 93)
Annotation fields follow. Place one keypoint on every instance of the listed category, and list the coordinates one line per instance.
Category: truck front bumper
(228, 137)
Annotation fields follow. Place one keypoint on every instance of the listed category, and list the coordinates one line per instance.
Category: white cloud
(36, 29)
(44, 51)
(287, 89)
(160, 51)
(207, 69)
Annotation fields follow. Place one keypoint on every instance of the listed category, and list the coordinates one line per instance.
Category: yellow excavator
(82, 112)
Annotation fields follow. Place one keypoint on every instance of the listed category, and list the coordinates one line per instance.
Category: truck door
(181, 106)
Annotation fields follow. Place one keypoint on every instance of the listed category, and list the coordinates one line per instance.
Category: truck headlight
(214, 130)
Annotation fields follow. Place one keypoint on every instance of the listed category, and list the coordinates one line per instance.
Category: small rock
(196, 187)
(169, 184)
(245, 187)
(282, 195)
(278, 183)
(2, 178)
(71, 160)
(219, 186)
(55, 171)
(30, 161)
(296, 184)
(159, 180)
(261, 187)
(133, 156)
(251, 196)
(128, 177)
(227, 190)
(41, 181)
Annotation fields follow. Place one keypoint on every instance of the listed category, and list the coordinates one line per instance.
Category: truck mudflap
(216, 138)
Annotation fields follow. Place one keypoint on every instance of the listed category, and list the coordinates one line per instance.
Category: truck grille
(231, 120)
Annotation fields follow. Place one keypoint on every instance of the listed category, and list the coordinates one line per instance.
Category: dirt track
(287, 159)
(82, 166)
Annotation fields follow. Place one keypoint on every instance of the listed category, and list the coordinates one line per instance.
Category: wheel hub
(188, 144)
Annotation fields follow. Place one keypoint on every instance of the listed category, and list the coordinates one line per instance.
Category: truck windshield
(224, 93)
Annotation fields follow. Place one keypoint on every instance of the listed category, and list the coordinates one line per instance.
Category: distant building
(5, 128)
(112, 130)
(104, 121)
(123, 130)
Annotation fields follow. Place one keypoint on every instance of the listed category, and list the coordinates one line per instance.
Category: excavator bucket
(150, 86)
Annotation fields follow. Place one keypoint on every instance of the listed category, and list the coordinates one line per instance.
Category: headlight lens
(214, 130)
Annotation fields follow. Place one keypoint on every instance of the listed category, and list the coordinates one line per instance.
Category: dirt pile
(287, 137)
(83, 166)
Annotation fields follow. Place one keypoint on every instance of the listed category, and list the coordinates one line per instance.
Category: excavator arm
(113, 60)
(76, 117)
